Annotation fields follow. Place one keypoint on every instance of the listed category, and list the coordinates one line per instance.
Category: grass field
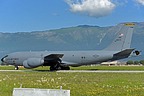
(83, 68)
(80, 84)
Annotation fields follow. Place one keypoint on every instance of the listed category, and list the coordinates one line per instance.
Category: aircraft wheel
(16, 67)
(51, 68)
(55, 67)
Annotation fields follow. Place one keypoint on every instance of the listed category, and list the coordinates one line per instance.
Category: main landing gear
(58, 67)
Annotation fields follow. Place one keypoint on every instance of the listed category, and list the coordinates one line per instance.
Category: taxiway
(79, 71)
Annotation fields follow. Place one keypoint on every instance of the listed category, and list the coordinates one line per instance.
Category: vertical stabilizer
(123, 37)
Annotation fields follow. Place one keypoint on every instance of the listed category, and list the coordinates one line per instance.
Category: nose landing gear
(16, 67)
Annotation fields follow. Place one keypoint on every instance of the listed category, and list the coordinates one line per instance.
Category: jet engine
(137, 52)
(33, 62)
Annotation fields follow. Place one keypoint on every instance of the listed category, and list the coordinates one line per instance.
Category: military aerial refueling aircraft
(61, 60)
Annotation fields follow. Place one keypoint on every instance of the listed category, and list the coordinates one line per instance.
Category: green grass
(80, 84)
(108, 68)
(83, 68)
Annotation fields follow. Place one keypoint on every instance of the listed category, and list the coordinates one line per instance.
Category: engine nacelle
(136, 53)
(33, 62)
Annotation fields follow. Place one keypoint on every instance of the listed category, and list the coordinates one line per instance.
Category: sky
(40, 15)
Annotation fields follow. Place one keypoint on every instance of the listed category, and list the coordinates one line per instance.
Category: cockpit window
(4, 58)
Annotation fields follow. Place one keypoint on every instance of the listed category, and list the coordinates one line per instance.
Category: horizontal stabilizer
(122, 54)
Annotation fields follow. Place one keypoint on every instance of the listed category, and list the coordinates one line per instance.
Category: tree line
(131, 62)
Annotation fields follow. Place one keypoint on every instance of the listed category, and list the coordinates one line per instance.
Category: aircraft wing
(55, 56)
(122, 54)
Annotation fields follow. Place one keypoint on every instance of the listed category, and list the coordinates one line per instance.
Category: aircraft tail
(123, 37)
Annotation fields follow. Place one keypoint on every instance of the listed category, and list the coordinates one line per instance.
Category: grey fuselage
(70, 58)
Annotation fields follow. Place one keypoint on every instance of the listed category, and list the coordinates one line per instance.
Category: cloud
(95, 8)
(120, 2)
(140, 2)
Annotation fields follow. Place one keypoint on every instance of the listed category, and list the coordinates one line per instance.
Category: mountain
(83, 37)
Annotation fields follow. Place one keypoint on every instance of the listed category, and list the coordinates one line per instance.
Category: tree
(136, 62)
(142, 62)
(130, 62)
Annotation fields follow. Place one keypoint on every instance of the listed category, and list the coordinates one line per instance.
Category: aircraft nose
(4, 58)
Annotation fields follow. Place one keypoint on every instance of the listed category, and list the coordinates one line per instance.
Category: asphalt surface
(101, 71)
(80, 71)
